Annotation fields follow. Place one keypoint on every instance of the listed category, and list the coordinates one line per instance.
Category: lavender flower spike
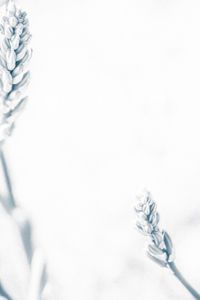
(160, 247)
(15, 55)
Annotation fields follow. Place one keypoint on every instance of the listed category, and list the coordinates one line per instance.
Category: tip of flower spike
(143, 193)
(160, 250)
(11, 7)
(143, 197)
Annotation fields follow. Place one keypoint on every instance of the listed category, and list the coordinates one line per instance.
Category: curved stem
(179, 276)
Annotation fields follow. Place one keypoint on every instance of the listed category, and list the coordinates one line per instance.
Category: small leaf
(168, 243)
(20, 106)
(38, 277)
(153, 207)
(13, 114)
(19, 29)
(157, 237)
(25, 31)
(146, 209)
(21, 54)
(6, 80)
(27, 57)
(141, 229)
(13, 21)
(5, 45)
(15, 41)
(14, 95)
(137, 209)
(17, 78)
(156, 260)
(23, 82)
(18, 50)
(26, 37)
(25, 227)
(18, 70)
(2, 61)
(26, 22)
(11, 59)
(8, 32)
(155, 219)
(153, 249)
(1, 86)
(2, 30)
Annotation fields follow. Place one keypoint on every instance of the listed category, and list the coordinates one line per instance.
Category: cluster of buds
(160, 247)
(14, 58)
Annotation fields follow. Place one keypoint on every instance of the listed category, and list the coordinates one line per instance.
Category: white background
(114, 106)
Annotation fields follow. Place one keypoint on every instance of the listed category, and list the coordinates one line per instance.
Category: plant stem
(10, 198)
(179, 276)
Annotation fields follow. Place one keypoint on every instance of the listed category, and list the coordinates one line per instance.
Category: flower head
(160, 248)
(14, 58)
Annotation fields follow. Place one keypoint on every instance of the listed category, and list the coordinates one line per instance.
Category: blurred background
(114, 107)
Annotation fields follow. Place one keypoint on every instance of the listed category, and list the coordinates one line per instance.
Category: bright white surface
(114, 106)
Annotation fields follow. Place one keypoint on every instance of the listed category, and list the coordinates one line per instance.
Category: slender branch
(3, 293)
(184, 282)
(10, 197)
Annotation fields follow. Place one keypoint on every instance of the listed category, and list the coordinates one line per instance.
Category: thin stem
(7, 180)
(179, 276)
(3, 293)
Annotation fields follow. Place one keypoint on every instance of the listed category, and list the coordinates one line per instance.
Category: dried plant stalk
(160, 247)
(15, 55)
